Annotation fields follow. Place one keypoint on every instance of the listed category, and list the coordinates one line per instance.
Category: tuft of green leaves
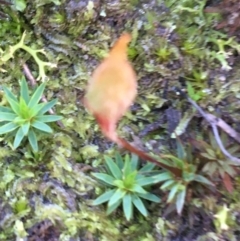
(216, 164)
(164, 51)
(25, 116)
(126, 185)
(178, 187)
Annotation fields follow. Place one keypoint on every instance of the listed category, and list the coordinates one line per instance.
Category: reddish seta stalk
(111, 91)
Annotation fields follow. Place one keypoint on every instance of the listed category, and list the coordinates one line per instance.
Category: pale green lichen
(41, 64)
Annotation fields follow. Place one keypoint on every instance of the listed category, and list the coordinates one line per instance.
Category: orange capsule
(112, 88)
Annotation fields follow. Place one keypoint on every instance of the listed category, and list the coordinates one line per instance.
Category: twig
(214, 122)
(29, 75)
(220, 144)
(225, 127)
(33, 83)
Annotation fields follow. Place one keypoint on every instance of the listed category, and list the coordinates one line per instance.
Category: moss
(171, 39)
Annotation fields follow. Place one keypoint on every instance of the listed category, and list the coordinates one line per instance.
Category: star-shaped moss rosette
(127, 185)
(6, 55)
(26, 116)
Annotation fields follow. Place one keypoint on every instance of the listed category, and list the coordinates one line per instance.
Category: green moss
(170, 39)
